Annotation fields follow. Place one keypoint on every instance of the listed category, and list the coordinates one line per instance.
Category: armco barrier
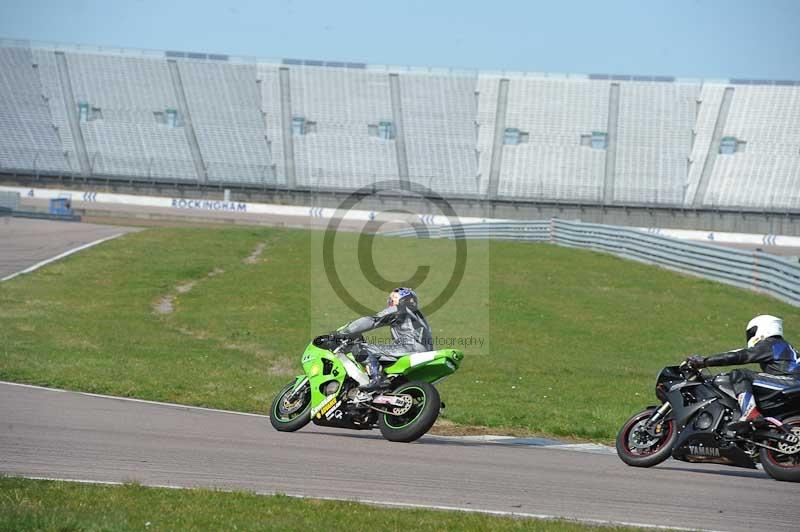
(754, 270)
(9, 200)
(36, 215)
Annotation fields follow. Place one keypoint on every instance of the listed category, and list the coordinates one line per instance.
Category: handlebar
(691, 372)
(331, 342)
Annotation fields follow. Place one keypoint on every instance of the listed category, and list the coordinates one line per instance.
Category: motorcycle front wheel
(418, 419)
(289, 415)
(639, 447)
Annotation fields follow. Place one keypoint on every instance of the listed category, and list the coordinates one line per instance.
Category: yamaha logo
(699, 450)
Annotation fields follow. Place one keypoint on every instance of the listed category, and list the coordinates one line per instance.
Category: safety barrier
(9, 200)
(754, 270)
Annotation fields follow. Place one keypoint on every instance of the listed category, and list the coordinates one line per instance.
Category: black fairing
(666, 378)
(723, 384)
(349, 419)
(699, 409)
(344, 415)
(670, 374)
(780, 403)
(324, 342)
(703, 446)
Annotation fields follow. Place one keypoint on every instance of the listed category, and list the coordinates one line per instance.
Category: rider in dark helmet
(410, 334)
(780, 366)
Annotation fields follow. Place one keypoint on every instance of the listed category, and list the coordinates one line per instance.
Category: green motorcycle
(328, 393)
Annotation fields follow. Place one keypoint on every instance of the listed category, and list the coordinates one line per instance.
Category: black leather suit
(780, 365)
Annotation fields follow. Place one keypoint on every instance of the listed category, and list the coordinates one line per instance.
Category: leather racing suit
(410, 334)
(780, 369)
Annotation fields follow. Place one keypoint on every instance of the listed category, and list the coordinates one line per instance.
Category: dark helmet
(403, 295)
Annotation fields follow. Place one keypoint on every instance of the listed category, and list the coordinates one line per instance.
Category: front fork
(298, 385)
(655, 420)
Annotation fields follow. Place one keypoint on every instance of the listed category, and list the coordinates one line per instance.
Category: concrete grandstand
(210, 119)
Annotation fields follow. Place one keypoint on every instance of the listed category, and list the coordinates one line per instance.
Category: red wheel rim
(626, 432)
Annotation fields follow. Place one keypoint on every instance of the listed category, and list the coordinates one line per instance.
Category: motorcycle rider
(410, 334)
(780, 366)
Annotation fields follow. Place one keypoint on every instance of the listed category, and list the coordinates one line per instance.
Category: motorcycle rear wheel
(419, 418)
(656, 448)
(785, 467)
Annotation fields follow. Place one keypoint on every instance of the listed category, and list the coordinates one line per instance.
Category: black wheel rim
(285, 410)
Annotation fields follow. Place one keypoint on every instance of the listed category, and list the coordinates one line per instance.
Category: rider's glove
(696, 361)
(337, 337)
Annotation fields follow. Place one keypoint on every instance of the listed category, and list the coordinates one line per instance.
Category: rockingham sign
(328, 213)
(219, 205)
(209, 205)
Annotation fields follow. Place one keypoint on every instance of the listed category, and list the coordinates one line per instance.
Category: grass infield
(198, 316)
(67, 506)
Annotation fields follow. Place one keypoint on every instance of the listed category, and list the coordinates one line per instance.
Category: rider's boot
(751, 418)
(376, 379)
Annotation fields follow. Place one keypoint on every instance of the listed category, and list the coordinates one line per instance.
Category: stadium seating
(270, 93)
(630, 140)
(123, 136)
(552, 163)
(225, 107)
(336, 150)
(654, 139)
(439, 113)
(486, 123)
(31, 139)
(45, 62)
(764, 173)
(708, 106)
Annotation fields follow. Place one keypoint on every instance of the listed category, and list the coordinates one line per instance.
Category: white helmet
(762, 327)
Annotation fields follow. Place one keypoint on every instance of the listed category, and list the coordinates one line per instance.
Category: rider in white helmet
(780, 366)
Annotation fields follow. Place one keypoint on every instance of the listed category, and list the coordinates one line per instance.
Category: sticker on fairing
(421, 358)
(334, 410)
(324, 407)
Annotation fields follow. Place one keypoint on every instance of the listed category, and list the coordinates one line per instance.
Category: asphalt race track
(54, 434)
(24, 242)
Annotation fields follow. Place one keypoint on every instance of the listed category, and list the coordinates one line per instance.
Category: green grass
(575, 337)
(65, 506)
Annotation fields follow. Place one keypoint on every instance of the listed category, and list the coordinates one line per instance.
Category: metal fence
(9, 200)
(753, 270)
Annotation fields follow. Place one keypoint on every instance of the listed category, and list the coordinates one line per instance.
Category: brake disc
(640, 437)
(400, 410)
(290, 407)
(791, 448)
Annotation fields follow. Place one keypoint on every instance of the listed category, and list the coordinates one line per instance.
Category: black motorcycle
(692, 425)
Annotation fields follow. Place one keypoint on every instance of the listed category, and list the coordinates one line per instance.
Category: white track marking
(387, 504)
(60, 256)
(134, 400)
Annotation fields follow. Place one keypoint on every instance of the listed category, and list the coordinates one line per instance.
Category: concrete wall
(677, 218)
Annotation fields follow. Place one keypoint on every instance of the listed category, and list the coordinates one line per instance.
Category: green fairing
(441, 364)
(314, 357)
(444, 363)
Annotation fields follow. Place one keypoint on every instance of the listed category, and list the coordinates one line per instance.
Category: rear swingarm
(391, 400)
(765, 446)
